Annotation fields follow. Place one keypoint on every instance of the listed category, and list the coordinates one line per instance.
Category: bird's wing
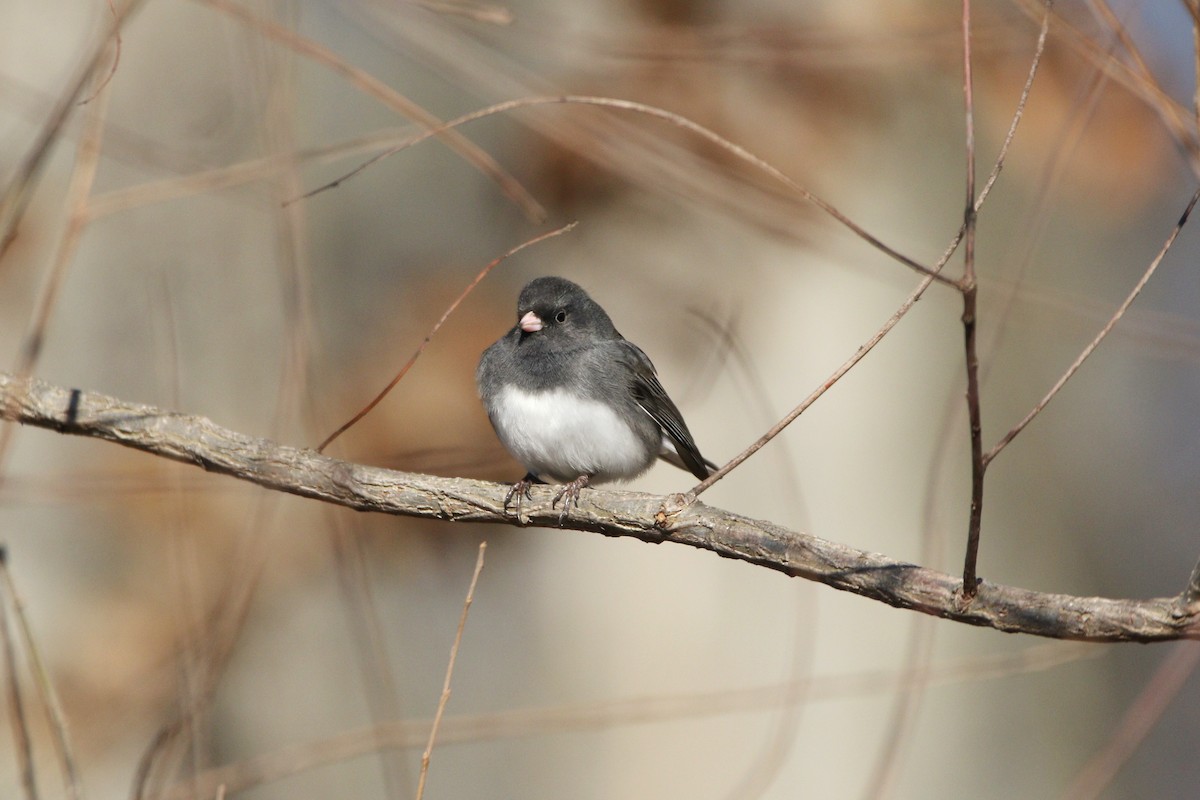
(653, 399)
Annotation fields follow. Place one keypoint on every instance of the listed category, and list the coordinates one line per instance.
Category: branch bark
(674, 518)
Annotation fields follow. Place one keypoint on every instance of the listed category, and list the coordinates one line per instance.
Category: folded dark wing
(653, 399)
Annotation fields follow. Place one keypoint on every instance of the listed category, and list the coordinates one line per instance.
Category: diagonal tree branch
(199, 441)
(1099, 337)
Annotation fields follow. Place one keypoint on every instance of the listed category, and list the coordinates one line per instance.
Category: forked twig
(917, 659)
(429, 336)
(998, 164)
(441, 707)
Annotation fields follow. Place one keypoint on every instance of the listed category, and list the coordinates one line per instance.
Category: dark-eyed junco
(575, 402)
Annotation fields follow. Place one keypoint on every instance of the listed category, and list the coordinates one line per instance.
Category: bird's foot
(520, 489)
(569, 494)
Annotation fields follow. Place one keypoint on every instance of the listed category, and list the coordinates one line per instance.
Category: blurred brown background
(597, 668)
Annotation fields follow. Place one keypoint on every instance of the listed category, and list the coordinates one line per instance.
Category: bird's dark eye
(561, 316)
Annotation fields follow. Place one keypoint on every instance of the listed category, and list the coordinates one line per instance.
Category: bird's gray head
(555, 308)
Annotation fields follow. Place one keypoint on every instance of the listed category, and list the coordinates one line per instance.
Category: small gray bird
(573, 401)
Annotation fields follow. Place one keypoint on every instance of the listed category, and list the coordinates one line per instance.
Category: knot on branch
(673, 505)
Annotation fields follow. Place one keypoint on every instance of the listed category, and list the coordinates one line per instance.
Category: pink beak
(530, 322)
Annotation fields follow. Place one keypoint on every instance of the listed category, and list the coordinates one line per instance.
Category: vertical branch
(969, 289)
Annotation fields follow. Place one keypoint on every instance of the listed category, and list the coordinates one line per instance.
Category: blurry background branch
(199, 441)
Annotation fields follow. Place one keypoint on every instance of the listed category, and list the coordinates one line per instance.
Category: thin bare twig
(970, 291)
(837, 375)
(998, 164)
(1020, 112)
(1087, 351)
(675, 119)
(429, 336)
(445, 698)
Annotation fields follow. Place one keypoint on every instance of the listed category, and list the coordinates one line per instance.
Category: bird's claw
(518, 490)
(569, 494)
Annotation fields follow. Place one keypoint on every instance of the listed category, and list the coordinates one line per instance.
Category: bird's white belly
(558, 435)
